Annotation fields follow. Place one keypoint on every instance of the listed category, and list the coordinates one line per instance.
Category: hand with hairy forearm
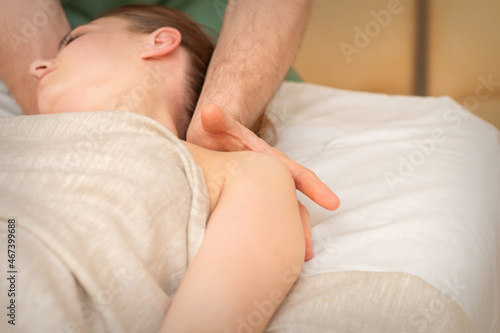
(256, 47)
(30, 29)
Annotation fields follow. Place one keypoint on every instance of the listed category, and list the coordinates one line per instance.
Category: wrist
(235, 103)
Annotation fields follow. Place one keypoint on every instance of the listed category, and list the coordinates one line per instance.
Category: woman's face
(94, 66)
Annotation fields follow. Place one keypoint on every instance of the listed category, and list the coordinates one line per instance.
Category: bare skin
(23, 42)
(233, 275)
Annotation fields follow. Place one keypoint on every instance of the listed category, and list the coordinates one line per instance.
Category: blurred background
(423, 47)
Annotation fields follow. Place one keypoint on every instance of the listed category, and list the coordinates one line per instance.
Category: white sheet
(419, 185)
(8, 106)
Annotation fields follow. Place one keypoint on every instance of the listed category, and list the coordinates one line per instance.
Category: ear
(161, 42)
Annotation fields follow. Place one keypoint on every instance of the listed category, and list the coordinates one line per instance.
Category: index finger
(307, 182)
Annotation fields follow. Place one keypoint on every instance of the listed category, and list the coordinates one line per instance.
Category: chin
(44, 108)
(46, 103)
(48, 106)
(49, 109)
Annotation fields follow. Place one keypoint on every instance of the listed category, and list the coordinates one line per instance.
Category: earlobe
(161, 42)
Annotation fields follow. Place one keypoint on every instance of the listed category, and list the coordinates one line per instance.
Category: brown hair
(147, 19)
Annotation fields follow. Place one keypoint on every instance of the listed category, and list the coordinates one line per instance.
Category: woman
(151, 61)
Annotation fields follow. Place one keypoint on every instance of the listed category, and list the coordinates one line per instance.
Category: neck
(150, 98)
(155, 91)
(160, 110)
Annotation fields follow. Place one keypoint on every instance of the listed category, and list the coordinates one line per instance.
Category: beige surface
(384, 61)
(368, 302)
(464, 46)
(113, 267)
(464, 51)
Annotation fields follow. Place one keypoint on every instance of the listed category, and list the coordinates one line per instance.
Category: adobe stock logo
(363, 37)
(452, 119)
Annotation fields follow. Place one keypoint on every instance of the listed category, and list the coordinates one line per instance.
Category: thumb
(213, 119)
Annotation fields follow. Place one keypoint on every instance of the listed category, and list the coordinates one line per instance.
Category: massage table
(413, 247)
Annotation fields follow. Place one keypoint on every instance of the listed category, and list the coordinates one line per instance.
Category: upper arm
(253, 246)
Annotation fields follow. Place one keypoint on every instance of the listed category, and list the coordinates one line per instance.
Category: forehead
(109, 23)
(102, 25)
(99, 25)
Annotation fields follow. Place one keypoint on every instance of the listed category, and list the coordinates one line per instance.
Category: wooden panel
(464, 59)
(360, 45)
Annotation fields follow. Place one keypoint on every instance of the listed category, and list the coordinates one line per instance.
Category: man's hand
(217, 130)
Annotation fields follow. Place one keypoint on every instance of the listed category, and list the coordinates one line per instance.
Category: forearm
(250, 257)
(31, 30)
(256, 47)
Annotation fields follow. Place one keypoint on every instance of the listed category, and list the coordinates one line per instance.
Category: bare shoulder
(222, 168)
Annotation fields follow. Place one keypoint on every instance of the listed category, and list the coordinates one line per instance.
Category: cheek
(81, 80)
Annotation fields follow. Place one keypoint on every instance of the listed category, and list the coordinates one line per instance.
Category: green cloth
(206, 12)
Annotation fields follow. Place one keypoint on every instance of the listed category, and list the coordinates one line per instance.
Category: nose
(38, 67)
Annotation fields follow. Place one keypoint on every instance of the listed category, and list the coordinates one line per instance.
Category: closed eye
(68, 39)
